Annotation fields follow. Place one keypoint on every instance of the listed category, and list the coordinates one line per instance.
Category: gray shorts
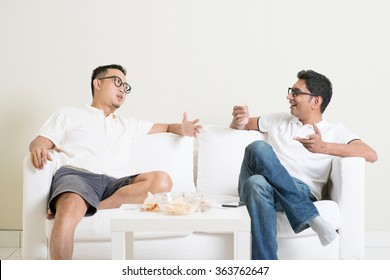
(92, 187)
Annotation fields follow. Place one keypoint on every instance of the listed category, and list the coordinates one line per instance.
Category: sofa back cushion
(221, 150)
(165, 152)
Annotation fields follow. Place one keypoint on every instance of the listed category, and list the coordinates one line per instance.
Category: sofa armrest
(347, 189)
(36, 190)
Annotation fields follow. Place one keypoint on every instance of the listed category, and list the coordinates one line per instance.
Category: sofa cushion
(220, 155)
(167, 152)
(98, 228)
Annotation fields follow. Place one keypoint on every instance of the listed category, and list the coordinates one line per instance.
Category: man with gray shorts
(92, 144)
(92, 187)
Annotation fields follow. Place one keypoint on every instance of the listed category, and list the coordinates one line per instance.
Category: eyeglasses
(295, 92)
(118, 82)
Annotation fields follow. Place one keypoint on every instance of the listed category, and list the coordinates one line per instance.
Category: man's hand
(313, 142)
(240, 117)
(190, 128)
(39, 152)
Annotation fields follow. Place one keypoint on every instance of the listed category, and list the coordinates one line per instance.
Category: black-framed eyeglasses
(118, 82)
(295, 92)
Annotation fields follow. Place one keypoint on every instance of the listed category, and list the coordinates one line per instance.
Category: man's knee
(258, 146)
(71, 203)
(161, 181)
(155, 181)
(260, 152)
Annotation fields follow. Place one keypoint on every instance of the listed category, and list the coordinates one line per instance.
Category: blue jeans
(266, 187)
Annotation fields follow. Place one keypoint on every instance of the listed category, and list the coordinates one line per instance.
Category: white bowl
(173, 203)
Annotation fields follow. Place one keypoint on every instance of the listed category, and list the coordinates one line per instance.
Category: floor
(10, 247)
(10, 253)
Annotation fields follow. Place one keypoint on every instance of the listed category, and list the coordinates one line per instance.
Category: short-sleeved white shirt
(311, 168)
(86, 139)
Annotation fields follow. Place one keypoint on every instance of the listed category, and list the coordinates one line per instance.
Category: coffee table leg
(122, 245)
(242, 245)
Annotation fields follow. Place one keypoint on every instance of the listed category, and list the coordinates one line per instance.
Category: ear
(317, 102)
(96, 84)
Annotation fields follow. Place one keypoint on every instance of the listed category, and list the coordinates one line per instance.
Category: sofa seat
(95, 231)
(98, 226)
(210, 165)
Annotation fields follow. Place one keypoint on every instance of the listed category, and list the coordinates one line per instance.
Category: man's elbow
(372, 158)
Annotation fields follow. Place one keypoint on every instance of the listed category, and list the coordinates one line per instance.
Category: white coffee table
(126, 222)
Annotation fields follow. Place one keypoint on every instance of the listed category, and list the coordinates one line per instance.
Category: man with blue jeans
(288, 171)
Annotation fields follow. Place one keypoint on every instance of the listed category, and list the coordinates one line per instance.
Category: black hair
(102, 70)
(317, 84)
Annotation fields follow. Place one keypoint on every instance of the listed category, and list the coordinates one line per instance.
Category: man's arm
(39, 151)
(241, 119)
(186, 128)
(355, 148)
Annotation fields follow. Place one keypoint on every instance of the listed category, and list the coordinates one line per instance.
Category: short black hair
(317, 84)
(102, 70)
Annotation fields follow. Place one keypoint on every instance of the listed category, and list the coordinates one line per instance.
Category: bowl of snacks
(178, 203)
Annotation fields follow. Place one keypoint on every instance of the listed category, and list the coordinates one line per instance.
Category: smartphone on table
(233, 204)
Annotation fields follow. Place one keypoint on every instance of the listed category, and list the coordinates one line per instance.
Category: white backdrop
(199, 56)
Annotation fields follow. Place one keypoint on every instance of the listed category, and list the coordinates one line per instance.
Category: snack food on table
(150, 204)
(178, 203)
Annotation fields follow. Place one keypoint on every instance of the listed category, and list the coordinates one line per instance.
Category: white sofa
(210, 165)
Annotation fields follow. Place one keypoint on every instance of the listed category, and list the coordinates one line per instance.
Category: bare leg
(156, 181)
(70, 209)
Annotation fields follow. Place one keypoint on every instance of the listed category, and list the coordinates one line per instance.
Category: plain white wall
(202, 56)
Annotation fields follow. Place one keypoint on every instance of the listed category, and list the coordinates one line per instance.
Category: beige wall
(202, 56)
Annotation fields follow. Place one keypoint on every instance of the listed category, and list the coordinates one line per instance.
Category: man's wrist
(236, 126)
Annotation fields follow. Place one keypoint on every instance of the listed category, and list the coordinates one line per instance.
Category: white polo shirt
(311, 168)
(86, 139)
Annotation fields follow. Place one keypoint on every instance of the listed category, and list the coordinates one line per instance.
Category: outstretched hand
(313, 142)
(190, 128)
